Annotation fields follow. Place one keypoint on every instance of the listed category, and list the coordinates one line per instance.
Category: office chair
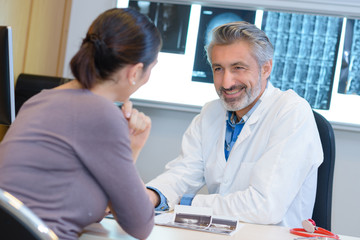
(18, 222)
(323, 200)
(27, 85)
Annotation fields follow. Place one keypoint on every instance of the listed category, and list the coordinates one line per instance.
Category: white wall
(83, 12)
(346, 193)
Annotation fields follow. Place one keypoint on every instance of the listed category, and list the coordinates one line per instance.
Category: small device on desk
(311, 230)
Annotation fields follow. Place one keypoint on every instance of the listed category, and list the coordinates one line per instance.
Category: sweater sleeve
(105, 151)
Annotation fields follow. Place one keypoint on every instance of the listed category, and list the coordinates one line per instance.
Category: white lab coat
(270, 176)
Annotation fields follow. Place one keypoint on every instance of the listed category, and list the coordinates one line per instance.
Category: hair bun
(96, 40)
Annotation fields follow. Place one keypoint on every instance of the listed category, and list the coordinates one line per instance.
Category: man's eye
(239, 68)
(216, 69)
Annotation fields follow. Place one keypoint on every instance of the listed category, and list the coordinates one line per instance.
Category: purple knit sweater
(66, 156)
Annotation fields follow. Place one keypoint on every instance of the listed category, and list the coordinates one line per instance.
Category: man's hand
(154, 197)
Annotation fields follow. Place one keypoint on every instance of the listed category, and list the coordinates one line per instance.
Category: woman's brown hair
(116, 37)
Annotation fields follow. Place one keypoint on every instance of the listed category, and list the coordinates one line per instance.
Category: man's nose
(227, 81)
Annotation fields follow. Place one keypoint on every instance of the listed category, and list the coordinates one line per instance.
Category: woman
(70, 152)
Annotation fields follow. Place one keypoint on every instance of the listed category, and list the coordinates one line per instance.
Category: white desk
(109, 229)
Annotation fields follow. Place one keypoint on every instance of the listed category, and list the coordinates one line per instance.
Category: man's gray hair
(229, 33)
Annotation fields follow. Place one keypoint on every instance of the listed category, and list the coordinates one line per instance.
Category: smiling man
(257, 148)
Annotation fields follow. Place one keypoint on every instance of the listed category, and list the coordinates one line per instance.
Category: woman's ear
(134, 73)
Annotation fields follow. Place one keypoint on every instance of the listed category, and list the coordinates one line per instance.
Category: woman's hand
(139, 127)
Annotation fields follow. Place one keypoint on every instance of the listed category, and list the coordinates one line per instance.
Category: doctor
(257, 148)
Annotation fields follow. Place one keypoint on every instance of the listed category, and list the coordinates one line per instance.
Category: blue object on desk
(187, 199)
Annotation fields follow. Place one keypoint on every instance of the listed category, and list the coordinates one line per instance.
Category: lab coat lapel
(254, 118)
(247, 130)
(221, 161)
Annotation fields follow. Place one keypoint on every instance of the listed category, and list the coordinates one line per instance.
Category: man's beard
(244, 100)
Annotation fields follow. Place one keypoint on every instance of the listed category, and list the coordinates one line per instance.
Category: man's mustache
(232, 88)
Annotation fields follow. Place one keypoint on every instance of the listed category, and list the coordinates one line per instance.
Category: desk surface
(109, 229)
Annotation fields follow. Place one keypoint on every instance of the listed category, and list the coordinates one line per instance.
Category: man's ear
(134, 73)
(266, 69)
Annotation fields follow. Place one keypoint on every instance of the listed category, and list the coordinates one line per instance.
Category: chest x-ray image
(172, 20)
(349, 82)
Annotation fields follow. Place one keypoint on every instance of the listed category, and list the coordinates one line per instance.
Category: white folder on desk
(199, 219)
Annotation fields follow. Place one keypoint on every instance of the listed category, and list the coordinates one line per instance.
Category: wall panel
(45, 34)
(39, 35)
(16, 13)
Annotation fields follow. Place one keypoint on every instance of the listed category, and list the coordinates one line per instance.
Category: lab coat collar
(263, 103)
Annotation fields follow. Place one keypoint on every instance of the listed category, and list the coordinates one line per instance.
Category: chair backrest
(27, 85)
(323, 201)
(18, 222)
